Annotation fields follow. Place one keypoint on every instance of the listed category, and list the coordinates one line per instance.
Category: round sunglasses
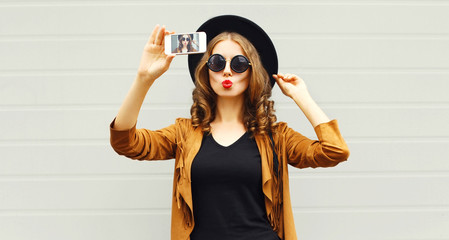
(217, 62)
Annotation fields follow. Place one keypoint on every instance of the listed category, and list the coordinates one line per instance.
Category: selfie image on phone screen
(186, 43)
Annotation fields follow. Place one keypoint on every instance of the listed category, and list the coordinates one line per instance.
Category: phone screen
(185, 43)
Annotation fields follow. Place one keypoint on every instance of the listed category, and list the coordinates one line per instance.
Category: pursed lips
(227, 83)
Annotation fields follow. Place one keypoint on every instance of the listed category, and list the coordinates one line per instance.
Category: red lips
(227, 83)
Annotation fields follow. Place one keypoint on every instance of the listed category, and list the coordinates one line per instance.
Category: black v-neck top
(228, 202)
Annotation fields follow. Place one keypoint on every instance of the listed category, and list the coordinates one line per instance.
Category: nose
(227, 70)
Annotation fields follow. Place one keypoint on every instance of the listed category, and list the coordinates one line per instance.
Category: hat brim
(251, 31)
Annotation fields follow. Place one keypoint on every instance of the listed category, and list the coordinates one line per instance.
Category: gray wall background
(380, 67)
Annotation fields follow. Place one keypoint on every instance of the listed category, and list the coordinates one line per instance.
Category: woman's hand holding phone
(154, 61)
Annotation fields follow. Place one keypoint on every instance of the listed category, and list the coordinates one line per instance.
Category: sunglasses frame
(221, 56)
(185, 39)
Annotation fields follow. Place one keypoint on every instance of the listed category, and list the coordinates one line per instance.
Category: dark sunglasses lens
(216, 63)
(185, 39)
(239, 64)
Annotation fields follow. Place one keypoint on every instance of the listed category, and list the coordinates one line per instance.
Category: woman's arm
(303, 152)
(295, 88)
(153, 64)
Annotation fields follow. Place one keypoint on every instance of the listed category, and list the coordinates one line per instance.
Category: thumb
(278, 80)
(169, 59)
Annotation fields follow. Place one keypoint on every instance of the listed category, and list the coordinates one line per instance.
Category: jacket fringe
(277, 193)
(182, 176)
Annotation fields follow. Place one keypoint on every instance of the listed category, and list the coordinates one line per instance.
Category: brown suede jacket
(181, 141)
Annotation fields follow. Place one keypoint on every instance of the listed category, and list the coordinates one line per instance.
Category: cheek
(246, 78)
(214, 79)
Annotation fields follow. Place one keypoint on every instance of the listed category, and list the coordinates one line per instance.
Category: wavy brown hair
(258, 116)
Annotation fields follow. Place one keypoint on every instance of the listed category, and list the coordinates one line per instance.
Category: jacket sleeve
(143, 144)
(328, 151)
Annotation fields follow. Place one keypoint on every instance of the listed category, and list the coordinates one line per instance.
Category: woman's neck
(229, 110)
(228, 124)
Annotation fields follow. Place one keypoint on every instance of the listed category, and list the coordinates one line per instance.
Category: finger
(163, 39)
(281, 84)
(289, 77)
(153, 34)
(167, 32)
(294, 77)
(170, 57)
(160, 36)
(168, 61)
(279, 81)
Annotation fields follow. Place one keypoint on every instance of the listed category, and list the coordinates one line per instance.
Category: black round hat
(255, 34)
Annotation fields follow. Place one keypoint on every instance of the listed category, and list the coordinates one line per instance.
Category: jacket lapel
(194, 141)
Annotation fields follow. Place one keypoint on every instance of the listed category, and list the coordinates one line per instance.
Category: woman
(231, 174)
(185, 44)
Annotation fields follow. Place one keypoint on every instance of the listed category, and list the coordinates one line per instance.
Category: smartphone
(185, 43)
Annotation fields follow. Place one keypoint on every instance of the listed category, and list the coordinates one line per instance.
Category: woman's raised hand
(291, 85)
(154, 61)
(295, 88)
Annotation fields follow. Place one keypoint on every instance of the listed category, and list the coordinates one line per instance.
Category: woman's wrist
(310, 108)
(302, 97)
(144, 79)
